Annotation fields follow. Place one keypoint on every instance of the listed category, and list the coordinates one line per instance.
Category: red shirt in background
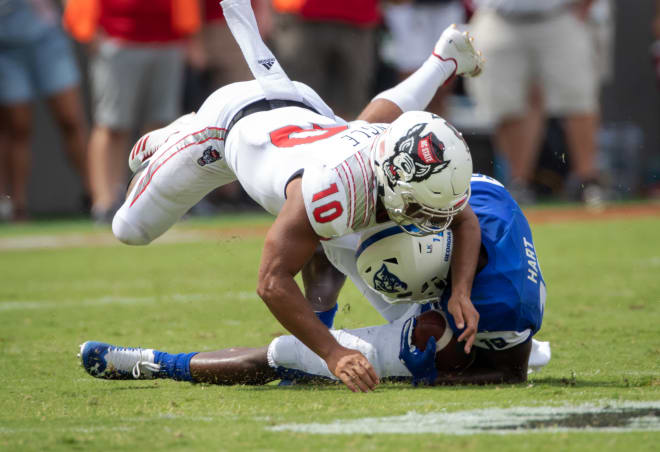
(212, 10)
(139, 20)
(363, 13)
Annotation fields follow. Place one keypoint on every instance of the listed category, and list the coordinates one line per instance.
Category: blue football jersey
(509, 292)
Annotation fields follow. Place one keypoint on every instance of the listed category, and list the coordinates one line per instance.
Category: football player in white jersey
(322, 177)
(409, 272)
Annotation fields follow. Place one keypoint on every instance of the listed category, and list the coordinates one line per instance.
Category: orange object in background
(186, 16)
(288, 6)
(81, 17)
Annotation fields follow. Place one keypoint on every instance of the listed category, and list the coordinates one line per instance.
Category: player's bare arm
(492, 367)
(290, 243)
(467, 236)
(380, 110)
(322, 281)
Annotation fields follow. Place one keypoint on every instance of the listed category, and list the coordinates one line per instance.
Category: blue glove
(420, 364)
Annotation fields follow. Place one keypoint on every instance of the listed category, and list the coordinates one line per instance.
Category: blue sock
(327, 317)
(176, 366)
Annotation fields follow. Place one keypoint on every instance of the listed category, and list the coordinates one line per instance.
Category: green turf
(602, 318)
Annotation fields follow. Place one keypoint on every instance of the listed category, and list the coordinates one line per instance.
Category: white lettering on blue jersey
(533, 270)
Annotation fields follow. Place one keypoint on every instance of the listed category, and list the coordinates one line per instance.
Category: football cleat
(150, 142)
(458, 47)
(107, 361)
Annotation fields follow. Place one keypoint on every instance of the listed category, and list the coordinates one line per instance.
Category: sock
(327, 317)
(175, 366)
(415, 92)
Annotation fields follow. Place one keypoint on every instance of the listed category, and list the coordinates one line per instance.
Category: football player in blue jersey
(508, 292)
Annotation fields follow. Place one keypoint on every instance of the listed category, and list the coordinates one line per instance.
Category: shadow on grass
(401, 384)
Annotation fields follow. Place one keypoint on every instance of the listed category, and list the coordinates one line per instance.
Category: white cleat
(107, 361)
(150, 142)
(457, 47)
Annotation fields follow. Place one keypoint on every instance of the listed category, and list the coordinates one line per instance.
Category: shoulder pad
(341, 199)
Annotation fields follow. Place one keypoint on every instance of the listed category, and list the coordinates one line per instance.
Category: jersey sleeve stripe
(353, 195)
(367, 193)
(344, 177)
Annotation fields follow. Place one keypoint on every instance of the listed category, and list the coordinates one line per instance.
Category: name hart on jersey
(533, 270)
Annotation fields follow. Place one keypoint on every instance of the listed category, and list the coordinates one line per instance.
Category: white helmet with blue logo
(404, 268)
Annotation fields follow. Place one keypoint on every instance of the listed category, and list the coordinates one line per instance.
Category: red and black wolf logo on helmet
(415, 157)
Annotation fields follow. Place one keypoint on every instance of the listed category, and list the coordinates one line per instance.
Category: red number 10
(330, 211)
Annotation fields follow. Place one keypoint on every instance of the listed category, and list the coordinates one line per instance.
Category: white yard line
(489, 421)
(87, 239)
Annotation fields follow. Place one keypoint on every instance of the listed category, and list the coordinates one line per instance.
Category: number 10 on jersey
(330, 210)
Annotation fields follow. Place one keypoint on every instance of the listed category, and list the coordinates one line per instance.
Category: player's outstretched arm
(290, 243)
(492, 367)
(464, 259)
(453, 55)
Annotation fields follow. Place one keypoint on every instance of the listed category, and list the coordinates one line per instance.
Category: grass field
(62, 283)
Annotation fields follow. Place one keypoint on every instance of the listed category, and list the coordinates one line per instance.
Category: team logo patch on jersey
(209, 156)
(388, 282)
(416, 157)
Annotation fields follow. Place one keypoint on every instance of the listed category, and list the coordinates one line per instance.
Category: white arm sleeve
(415, 92)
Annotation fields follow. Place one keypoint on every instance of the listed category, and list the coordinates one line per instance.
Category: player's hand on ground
(465, 316)
(421, 364)
(353, 369)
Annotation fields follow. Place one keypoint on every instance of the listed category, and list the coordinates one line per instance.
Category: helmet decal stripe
(380, 235)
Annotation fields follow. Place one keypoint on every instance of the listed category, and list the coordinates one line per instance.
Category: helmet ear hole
(403, 268)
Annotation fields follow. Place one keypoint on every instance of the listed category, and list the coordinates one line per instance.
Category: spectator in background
(540, 60)
(655, 49)
(329, 45)
(136, 71)
(414, 26)
(36, 61)
(221, 63)
(225, 61)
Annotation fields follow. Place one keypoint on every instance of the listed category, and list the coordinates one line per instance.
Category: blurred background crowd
(567, 108)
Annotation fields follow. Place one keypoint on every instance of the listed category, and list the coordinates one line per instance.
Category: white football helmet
(423, 168)
(402, 268)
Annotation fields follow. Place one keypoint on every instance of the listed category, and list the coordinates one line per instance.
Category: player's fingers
(469, 342)
(470, 332)
(348, 381)
(470, 328)
(458, 317)
(362, 385)
(368, 375)
(357, 382)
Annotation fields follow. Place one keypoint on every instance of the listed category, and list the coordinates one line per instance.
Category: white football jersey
(186, 160)
(220, 107)
(266, 150)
